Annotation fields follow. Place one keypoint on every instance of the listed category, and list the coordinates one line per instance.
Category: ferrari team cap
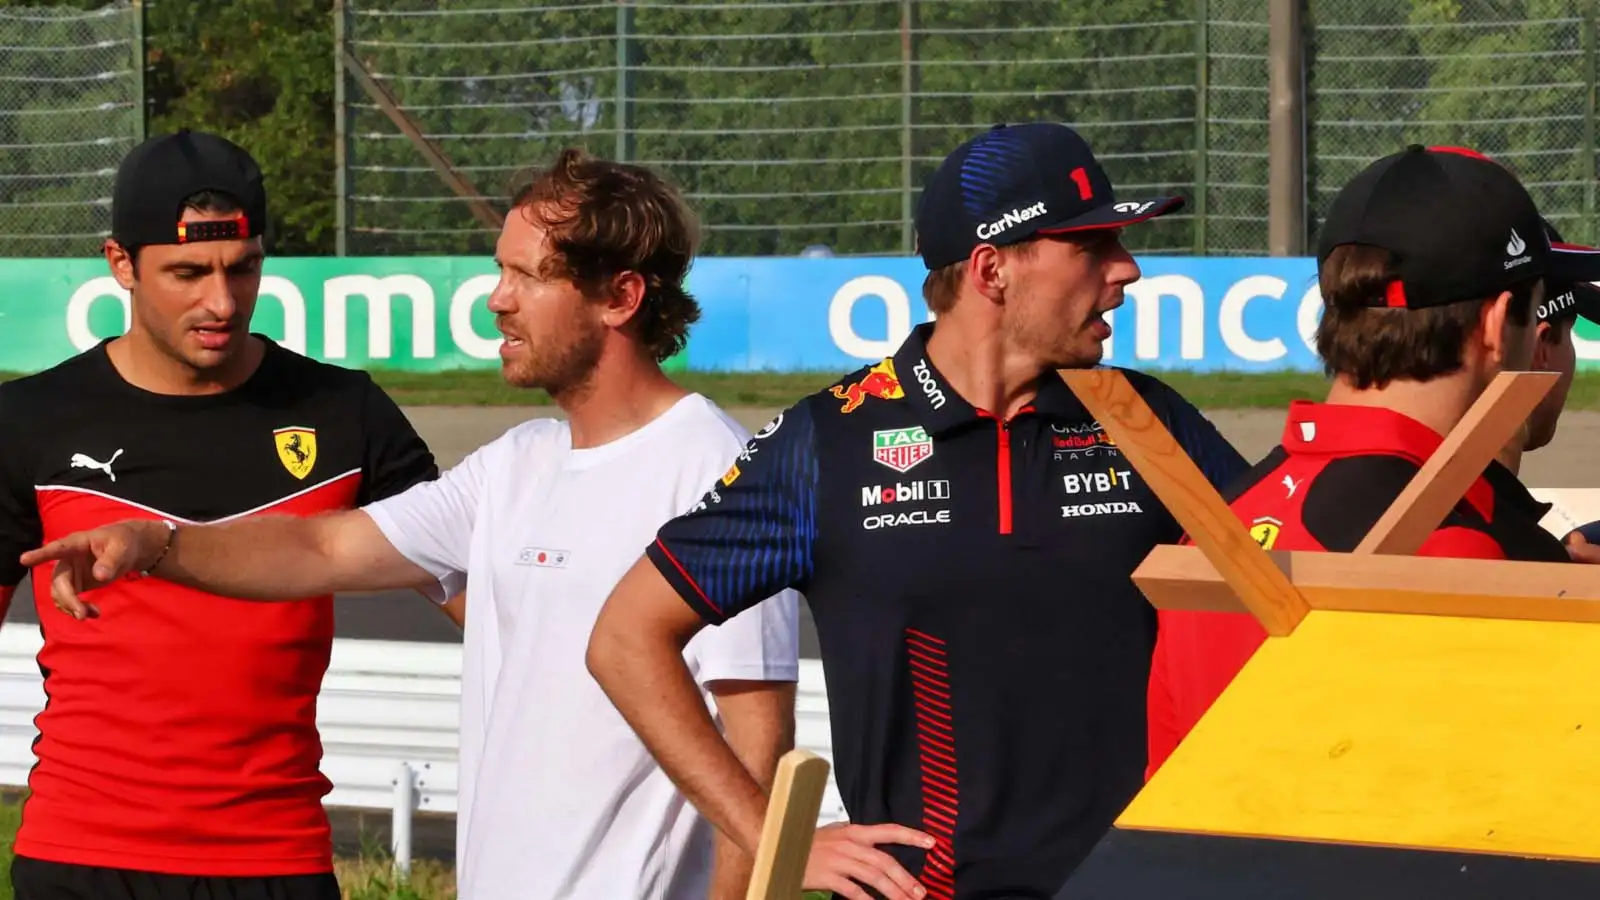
(1013, 182)
(158, 175)
(1458, 224)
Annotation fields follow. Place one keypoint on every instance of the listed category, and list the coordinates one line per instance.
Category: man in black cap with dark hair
(964, 531)
(1564, 303)
(178, 753)
(1435, 270)
(1554, 351)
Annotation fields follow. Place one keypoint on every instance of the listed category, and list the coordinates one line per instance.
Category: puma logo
(84, 461)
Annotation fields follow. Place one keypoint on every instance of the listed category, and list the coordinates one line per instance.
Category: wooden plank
(1174, 478)
(1453, 734)
(1174, 577)
(791, 822)
(486, 215)
(1439, 485)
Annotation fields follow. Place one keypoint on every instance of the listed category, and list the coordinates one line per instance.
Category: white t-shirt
(558, 798)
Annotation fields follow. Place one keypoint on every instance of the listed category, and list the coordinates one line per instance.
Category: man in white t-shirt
(558, 797)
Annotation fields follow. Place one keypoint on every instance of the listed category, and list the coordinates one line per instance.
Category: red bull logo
(1082, 441)
(1073, 440)
(880, 381)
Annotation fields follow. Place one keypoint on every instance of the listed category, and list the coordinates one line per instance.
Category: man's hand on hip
(844, 854)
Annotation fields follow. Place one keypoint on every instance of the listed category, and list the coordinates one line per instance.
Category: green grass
(1206, 390)
(779, 389)
(764, 389)
(369, 876)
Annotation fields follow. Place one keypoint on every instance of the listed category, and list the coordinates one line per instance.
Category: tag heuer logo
(901, 448)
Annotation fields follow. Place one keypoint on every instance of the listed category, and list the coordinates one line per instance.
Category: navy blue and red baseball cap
(1015, 182)
(156, 177)
(1572, 298)
(1458, 226)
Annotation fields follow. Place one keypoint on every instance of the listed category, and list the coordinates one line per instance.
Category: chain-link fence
(1515, 80)
(788, 123)
(793, 123)
(71, 88)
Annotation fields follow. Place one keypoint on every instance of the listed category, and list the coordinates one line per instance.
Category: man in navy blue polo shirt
(964, 531)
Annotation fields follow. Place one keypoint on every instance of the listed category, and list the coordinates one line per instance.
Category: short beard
(564, 365)
(1026, 336)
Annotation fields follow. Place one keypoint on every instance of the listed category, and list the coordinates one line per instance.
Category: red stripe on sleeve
(689, 579)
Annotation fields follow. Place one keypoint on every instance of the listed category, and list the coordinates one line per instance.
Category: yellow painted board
(1419, 731)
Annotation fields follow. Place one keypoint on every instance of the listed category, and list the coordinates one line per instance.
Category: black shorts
(34, 879)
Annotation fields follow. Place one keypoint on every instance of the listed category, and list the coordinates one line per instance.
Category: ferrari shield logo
(297, 449)
(1265, 530)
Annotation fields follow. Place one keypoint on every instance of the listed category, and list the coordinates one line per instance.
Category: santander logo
(1515, 248)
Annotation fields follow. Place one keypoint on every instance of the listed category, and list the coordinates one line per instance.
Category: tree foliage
(787, 122)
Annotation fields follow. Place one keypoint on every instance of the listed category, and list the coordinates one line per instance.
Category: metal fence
(71, 104)
(1515, 80)
(812, 122)
(793, 123)
(788, 123)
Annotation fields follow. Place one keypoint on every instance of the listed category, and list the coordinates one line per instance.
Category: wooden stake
(1469, 448)
(1183, 578)
(791, 822)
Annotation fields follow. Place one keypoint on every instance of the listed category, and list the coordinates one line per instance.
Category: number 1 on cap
(1081, 178)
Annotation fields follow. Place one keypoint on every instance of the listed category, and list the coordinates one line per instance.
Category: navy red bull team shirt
(985, 651)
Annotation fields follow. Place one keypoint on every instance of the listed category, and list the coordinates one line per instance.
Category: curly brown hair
(604, 218)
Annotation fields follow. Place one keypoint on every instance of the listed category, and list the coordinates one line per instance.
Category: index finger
(895, 834)
(56, 549)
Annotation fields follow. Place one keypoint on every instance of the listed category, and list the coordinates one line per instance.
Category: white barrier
(388, 718)
(388, 711)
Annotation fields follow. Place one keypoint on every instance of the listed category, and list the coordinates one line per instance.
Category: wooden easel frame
(1227, 571)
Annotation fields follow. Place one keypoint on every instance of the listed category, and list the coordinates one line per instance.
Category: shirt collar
(1331, 429)
(941, 409)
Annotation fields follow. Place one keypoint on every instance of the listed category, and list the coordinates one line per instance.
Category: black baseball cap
(1013, 182)
(159, 174)
(1458, 224)
(1571, 298)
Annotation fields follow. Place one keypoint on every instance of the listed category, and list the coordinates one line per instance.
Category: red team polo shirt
(1335, 473)
(179, 733)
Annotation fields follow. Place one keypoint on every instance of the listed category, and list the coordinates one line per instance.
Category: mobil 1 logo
(888, 504)
(904, 492)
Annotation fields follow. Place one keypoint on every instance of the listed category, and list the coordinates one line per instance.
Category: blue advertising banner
(1184, 313)
(776, 314)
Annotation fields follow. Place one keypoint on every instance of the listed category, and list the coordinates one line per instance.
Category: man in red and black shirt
(1431, 264)
(178, 753)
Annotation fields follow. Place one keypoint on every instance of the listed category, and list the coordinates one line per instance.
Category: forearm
(758, 720)
(266, 558)
(647, 680)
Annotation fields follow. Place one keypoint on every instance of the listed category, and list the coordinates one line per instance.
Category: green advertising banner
(420, 314)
